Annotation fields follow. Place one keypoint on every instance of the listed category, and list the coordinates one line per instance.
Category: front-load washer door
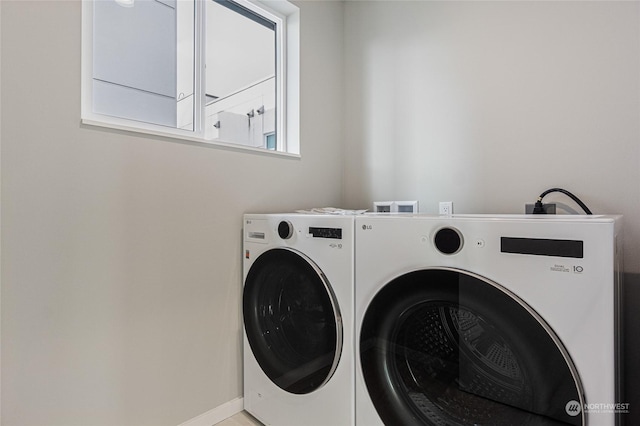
(292, 320)
(446, 347)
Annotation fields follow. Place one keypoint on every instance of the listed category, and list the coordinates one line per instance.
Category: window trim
(287, 18)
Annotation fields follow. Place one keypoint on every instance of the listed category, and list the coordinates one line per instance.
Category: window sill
(182, 136)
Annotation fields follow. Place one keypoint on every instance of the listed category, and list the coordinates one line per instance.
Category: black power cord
(538, 209)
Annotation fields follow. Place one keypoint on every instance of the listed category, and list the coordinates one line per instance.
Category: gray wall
(487, 104)
(121, 274)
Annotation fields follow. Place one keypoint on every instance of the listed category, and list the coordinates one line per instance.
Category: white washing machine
(298, 319)
(488, 320)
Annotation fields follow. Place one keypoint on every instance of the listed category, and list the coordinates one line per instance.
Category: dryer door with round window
(446, 347)
(292, 320)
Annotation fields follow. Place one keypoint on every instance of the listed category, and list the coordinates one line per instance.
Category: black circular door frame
(444, 346)
(292, 320)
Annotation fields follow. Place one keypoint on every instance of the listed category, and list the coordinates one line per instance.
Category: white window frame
(287, 19)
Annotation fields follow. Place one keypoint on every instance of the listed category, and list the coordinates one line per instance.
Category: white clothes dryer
(488, 320)
(298, 319)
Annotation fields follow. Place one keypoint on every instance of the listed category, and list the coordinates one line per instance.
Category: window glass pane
(240, 74)
(143, 61)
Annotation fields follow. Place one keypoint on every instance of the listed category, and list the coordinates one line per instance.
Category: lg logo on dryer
(367, 227)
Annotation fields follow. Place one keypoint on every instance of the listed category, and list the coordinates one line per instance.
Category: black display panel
(335, 233)
(542, 247)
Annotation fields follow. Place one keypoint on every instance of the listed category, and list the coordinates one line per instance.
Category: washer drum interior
(292, 320)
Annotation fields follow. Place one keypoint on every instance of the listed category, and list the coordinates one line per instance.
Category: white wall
(487, 104)
(121, 273)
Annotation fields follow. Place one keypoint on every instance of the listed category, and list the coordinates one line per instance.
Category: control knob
(285, 230)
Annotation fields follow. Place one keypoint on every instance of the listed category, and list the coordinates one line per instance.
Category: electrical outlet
(549, 208)
(446, 208)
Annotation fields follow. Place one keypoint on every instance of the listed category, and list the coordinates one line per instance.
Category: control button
(285, 230)
(448, 240)
(424, 239)
(479, 242)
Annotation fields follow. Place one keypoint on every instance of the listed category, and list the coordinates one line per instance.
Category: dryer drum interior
(292, 320)
(443, 347)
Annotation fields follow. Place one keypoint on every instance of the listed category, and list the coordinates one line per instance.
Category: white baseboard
(217, 414)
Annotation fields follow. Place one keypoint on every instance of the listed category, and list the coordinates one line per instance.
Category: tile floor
(241, 419)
